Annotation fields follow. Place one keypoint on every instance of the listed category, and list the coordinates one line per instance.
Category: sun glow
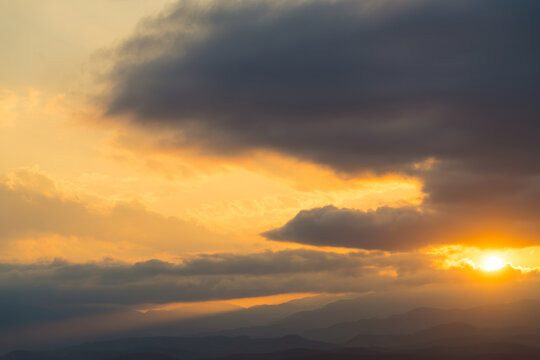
(493, 263)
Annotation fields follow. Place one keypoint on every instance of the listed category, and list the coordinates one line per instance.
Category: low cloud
(45, 291)
(61, 289)
(467, 209)
(385, 228)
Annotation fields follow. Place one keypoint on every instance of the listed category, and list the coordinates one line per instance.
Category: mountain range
(499, 331)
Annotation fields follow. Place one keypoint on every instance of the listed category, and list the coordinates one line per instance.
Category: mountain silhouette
(503, 331)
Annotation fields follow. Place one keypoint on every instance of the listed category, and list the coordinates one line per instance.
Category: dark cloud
(353, 85)
(357, 86)
(384, 228)
(108, 284)
(462, 208)
(107, 293)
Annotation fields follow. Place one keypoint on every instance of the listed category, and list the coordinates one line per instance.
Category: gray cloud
(384, 228)
(463, 206)
(501, 220)
(356, 86)
(61, 299)
(256, 264)
(63, 289)
(353, 85)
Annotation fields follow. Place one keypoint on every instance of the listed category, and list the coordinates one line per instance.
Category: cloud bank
(46, 291)
(354, 85)
(442, 90)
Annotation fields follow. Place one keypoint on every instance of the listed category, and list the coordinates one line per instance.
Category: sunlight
(493, 263)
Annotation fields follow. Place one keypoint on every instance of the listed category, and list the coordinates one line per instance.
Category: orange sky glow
(240, 198)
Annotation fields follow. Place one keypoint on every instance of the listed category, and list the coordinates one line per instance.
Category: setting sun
(493, 263)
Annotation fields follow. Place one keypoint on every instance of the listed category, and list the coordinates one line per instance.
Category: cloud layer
(47, 291)
(33, 207)
(217, 276)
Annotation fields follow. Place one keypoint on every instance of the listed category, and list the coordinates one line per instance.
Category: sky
(174, 154)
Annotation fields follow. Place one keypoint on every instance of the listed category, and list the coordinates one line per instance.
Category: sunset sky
(159, 154)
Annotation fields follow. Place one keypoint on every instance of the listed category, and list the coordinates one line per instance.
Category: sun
(493, 263)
